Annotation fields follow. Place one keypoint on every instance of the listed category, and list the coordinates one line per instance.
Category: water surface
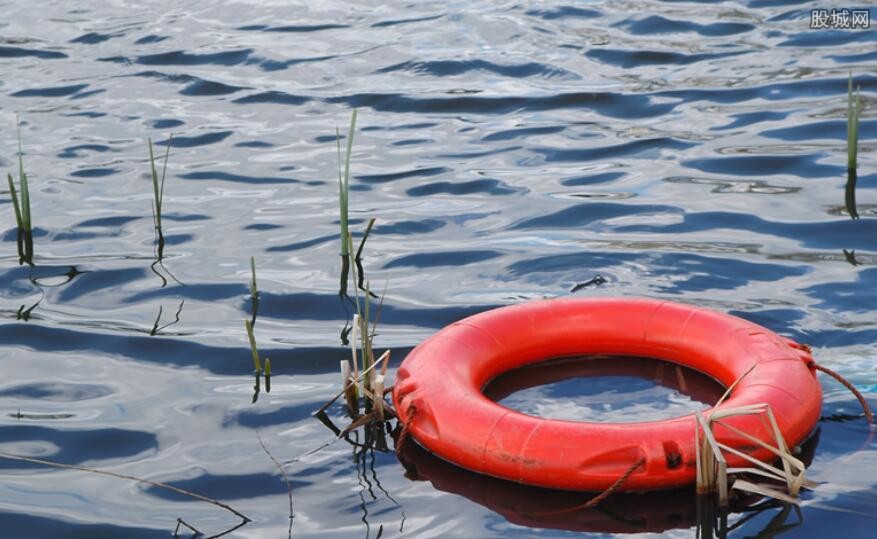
(690, 151)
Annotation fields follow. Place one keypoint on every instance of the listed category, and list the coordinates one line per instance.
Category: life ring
(438, 391)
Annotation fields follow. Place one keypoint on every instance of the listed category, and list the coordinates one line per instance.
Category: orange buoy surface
(438, 391)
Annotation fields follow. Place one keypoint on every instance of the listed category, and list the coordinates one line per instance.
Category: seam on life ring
(538, 425)
(681, 334)
(778, 388)
(481, 329)
(649, 322)
(490, 435)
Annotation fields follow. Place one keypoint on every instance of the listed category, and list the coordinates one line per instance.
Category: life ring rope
(846, 383)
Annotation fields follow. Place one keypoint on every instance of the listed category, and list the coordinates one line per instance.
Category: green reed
(257, 363)
(22, 209)
(158, 192)
(254, 290)
(259, 368)
(854, 109)
(343, 198)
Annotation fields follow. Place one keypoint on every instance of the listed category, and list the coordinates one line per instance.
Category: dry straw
(713, 473)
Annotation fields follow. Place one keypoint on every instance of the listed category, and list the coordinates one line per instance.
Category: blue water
(691, 151)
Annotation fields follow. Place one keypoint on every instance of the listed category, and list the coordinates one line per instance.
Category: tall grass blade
(254, 290)
(25, 204)
(158, 192)
(257, 385)
(257, 363)
(25, 191)
(15, 204)
(343, 193)
(343, 203)
(167, 153)
(358, 258)
(850, 193)
(156, 202)
(853, 111)
(350, 133)
(353, 345)
(366, 336)
(21, 206)
(854, 107)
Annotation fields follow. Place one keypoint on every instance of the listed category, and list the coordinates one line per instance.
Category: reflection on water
(608, 389)
(507, 151)
(655, 512)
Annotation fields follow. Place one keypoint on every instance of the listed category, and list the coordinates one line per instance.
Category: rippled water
(680, 150)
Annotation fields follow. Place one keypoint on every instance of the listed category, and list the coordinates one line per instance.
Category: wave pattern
(507, 151)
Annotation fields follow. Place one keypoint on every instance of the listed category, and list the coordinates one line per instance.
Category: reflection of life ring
(438, 391)
(556, 509)
(696, 385)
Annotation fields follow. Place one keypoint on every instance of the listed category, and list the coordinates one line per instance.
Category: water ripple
(273, 97)
(395, 176)
(196, 140)
(446, 68)
(656, 24)
(55, 91)
(439, 258)
(18, 52)
(238, 178)
(76, 446)
(179, 57)
(637, 57)
(292, 28)
(564, 12)
(93, 38)
(485, 186)
(805, 166)
(225, 487)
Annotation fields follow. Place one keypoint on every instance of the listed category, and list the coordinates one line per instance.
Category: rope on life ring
(861, 398)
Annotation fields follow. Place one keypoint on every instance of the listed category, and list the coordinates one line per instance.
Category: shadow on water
(36, 277)
(852, 211)
(374, 438)
(854, 107)
(24, 314)
(42, 526)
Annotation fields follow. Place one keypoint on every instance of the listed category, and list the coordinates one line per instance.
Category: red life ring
(438, 391)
